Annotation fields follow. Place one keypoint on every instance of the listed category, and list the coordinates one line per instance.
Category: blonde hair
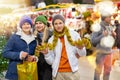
(45, 34)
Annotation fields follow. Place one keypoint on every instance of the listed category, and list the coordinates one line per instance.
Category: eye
(55, 23)
(60, 23)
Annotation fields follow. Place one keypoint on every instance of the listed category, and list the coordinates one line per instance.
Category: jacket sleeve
(81, 52)
(96, 37)
(49, 57)
(8, 50)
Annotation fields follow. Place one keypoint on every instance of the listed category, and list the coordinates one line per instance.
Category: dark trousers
(44, 69)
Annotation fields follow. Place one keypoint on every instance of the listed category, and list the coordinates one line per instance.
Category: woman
(61, 51)
(20, 46)
(104, 50)
(43, 33)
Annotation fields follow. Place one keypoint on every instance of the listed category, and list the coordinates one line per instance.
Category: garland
(52, 45)
(56, 35)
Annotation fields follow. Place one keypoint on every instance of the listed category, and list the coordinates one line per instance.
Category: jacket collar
(23, 36)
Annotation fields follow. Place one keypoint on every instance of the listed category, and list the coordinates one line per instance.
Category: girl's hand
(45, 51)
(113, 33)
(31, 58)
(105, 33)
(23, 55)
(79, 44)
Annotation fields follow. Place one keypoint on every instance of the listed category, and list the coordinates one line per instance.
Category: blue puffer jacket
(12, 52)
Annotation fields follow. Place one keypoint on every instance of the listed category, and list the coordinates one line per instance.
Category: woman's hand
(114, 33)
(23, 55)
(105, 32)
(45, 51)
(31, 58)
(79, 44)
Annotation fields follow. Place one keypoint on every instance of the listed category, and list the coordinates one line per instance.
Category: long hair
(45, 35)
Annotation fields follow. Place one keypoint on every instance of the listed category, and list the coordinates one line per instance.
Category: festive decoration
(52, 45)
(95, 27)
(95, 16)
(84, 42)
(106, 8)
(40, 48)
(87, 43)
(107, 41)
(86, 14)
(118, 6)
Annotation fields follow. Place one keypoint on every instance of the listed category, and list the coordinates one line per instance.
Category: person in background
(20, 46)
(103, 52)
(43, 34)
(61, 51)
(116, 48)
(117, 30)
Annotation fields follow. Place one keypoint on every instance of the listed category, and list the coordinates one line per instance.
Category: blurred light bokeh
(7, 6)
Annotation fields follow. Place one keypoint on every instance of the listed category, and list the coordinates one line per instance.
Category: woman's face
(58, 25)
(26, 28)
(108, 19)
(39, 26)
